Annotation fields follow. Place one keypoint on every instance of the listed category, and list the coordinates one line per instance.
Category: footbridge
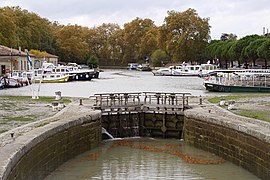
(155, 114)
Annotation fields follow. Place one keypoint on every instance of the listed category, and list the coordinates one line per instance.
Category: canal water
(148, 158)
(137, 158)
(118, 81)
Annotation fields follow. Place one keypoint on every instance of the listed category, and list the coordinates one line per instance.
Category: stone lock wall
(35, 154)
(242, 143)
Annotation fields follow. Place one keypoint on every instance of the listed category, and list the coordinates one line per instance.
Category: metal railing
(142, 101)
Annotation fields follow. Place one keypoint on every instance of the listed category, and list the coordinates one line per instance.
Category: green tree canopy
(187, 35)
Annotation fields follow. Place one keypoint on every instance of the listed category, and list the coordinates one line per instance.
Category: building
(16, 60)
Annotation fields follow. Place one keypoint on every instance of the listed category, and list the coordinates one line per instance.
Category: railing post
(183, 107)
(126, 98)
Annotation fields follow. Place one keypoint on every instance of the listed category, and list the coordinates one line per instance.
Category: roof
(51, 56)
(6, 51)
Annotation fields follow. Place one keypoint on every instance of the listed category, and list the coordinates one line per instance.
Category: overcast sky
(241, 17)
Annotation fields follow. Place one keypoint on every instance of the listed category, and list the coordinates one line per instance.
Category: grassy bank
(18, 110)
(249, 105)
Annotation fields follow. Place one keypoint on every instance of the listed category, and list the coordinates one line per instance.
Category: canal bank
(243, 141)
(34, 150)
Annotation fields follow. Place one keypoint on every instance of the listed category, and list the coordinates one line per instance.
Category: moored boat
(163, 71)
(52, 78)
(9, 82)
(250, 80)
(144, 67)
(186, 70)
(132, 66)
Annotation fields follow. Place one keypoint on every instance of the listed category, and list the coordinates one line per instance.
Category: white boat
(186, 70)
(21, 76)
(133, 66)
(207, 68)
(73, 71)
(47, 76)
(163, 71)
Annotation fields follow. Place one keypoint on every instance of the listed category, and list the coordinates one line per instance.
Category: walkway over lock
(141, 102)
(155, 114)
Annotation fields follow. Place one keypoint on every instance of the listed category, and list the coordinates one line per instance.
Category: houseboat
(249, 80)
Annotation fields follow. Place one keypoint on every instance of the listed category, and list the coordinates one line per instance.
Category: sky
(240, 17)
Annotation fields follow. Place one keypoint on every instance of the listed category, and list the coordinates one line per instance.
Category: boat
(186, 70)
(144, 67)
(208, 68)
(249, 80)
(132, 66)
(82, 72)
(47, 75)
(21, 76)
(163, 71)
(1, 85)
(9, 82)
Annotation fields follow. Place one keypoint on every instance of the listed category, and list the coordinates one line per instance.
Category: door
(3, 70)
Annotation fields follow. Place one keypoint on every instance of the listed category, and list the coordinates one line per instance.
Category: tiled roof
(51, 56)
(6, 51)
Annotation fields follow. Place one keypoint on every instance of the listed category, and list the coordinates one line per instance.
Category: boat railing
(262, 80)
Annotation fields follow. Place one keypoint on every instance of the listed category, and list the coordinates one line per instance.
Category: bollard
(58, 95)
(200, 100)
(81, 102)
(222, 102)
(12, 134)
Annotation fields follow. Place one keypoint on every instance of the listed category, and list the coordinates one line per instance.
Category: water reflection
(146, 158)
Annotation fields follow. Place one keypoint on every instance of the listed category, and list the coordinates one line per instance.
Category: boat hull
(53, 80)
(227, 88)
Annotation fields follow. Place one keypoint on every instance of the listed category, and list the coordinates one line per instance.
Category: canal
(138, 158)
(118, 81)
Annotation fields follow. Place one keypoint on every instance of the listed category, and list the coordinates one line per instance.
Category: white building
(15, 60)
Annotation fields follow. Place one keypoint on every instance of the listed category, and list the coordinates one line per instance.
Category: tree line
(184, 36)
(245, 51)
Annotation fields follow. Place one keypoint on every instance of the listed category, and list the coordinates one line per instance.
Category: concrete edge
(12, 152)
(249, 126)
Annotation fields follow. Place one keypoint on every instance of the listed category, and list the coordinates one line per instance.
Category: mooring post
(200, 100)
(81, 102)
(183, 107)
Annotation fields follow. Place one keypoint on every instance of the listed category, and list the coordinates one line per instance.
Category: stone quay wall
(39, 148)
(243, 141)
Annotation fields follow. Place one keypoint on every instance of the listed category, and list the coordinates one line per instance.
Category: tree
(230, 36)
(92, 61)
(186, 35)
(19, 28)
(264, 51)
(38, 54)
(71, 42)
(133, 35)
(159, 57)
(7, 30)
(250, 51)
(149, 42)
